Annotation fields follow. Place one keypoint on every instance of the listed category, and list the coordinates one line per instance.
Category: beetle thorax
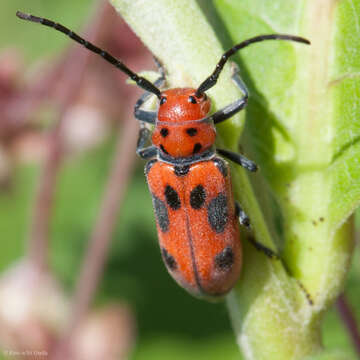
(180, 130)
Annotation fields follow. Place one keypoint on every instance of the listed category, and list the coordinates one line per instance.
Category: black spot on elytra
(149, 165)
(161, 214)
(164, 132)
(191, 131)
(169, 259)
(197, 148)
(197, 197)
(172, 197)
(181, 170)
(218, 213)
(221, 165)
(225, 259)
(163, 149)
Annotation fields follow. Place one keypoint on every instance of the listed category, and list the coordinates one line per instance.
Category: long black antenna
(140, 81)
(212, 79)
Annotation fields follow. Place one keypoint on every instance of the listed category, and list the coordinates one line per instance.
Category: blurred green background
(170, 323)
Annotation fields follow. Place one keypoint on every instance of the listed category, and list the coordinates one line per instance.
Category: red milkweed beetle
(197, 217)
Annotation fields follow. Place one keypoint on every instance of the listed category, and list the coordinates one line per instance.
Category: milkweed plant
(301, 126)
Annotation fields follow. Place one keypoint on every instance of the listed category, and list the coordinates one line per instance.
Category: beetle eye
(192, 99)
(163, 100)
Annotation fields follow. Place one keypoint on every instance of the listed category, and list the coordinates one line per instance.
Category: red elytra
(197, 226)
(197, 218)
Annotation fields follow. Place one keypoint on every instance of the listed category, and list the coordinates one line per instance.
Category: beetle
(197, 217)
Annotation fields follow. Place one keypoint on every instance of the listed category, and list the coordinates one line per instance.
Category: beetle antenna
(140, 81)
(212, 79)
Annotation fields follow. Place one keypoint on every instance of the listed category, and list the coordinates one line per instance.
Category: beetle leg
(146, 115)
(231, 109)
(240, 213)
(267, 251)
(148, 152)
(238, 159)
(244, 220)
(141, 150)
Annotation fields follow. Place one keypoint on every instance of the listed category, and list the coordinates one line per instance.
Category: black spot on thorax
(191, 131)
(163, 149)
(164, 132)
(197, 148)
